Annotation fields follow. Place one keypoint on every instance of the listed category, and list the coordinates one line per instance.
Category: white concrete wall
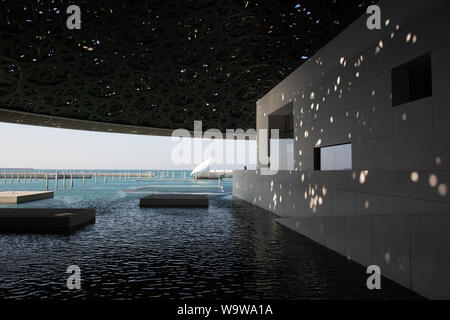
(393, 208)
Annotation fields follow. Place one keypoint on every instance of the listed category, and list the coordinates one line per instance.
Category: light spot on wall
(319, 143)
(366, 204)
(404, 117)
(442, 189)
(433, 180)
(414, 176)
(438, 161)
(387, 257)
(363, 176)
(408, 37)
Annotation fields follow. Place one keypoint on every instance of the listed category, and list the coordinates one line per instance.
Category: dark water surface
(230, 250)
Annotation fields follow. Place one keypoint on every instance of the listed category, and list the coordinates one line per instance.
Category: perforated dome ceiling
(158, 64)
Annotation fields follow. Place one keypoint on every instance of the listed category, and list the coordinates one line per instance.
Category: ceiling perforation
(159, 63)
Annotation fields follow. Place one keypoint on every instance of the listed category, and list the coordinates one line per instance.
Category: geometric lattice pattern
(157, 63)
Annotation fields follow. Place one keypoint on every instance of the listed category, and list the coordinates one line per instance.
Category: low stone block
(11, 197)
(175, 200)
(44, 220)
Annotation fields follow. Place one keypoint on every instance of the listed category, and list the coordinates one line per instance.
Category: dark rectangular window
(412, 81)
(283, 120)
(316, 158)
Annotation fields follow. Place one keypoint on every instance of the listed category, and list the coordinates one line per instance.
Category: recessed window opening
(281, 150)
(412, 81)
(337, 157)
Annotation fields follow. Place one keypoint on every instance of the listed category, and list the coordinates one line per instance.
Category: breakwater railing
(68, 177)
(12, 176)
(43, 175)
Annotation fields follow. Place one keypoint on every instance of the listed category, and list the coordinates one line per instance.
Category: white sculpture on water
(202, 167)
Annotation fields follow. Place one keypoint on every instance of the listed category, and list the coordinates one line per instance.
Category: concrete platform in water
(9, 197)
(175, 200)
(45, 220)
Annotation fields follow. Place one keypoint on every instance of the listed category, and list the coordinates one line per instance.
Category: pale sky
(35, 147)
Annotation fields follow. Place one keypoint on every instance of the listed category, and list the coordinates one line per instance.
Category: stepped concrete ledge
(23, 220)
(175, 200)
(10, 197)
